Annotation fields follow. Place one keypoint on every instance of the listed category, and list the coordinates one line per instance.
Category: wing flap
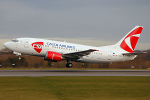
(77, 55)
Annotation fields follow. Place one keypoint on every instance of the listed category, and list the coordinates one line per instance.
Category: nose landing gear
(17, 54)
(19, 58)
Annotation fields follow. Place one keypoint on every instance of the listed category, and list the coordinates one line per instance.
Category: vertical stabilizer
(129, 42)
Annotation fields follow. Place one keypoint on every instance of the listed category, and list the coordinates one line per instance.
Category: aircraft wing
(77, 55)
(134, 53)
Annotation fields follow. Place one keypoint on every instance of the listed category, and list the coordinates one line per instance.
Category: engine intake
(53, 56)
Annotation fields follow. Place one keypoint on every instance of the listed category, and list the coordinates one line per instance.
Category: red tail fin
(129, 42)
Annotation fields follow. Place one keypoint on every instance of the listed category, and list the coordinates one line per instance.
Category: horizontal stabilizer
(134, 53)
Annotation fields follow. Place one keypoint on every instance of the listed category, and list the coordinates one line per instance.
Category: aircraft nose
(5, 44)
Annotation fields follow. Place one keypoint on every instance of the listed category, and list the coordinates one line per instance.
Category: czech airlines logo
(37, 46)
(130, 41)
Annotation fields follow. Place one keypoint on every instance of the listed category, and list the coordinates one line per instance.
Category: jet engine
(53, 56)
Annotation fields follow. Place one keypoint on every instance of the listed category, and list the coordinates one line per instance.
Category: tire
(69, 65)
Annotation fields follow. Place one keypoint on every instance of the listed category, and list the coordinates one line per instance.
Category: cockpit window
(14, 40)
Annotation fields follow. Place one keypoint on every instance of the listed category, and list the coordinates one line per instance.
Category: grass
(75, 88)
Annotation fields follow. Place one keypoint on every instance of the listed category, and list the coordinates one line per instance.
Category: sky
(99, 20)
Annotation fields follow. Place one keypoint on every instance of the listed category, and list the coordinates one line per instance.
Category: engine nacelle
(53, 56)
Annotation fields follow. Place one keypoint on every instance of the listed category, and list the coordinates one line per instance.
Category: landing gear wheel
(19, 58)
(69, 65)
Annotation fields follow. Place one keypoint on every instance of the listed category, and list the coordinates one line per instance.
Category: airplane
(57, 51)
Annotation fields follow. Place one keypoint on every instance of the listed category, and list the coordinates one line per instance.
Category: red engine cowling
(53, 56)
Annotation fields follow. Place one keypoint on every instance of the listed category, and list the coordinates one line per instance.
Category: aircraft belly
(92, 59)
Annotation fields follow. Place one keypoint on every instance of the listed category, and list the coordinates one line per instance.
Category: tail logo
(130, 41)
(37, 46)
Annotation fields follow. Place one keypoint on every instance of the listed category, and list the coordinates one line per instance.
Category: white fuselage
(103, 54)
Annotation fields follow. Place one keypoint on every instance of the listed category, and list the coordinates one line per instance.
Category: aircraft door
(26, 44)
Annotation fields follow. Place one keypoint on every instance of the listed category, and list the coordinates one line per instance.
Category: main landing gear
(69, 65)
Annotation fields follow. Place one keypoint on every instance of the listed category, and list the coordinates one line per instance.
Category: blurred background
(89, 22)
